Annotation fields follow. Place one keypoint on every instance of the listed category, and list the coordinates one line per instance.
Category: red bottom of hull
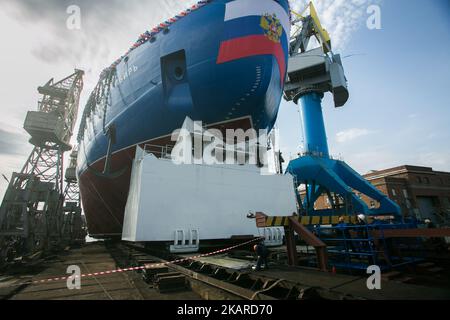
(103, 198)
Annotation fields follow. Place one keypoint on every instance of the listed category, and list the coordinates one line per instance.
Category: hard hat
(362, 217)
(255, 247)
(427, 220)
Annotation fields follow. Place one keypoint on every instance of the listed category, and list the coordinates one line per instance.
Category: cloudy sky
(399, 75)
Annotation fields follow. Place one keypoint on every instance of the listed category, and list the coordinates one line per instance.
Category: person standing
(262, 252)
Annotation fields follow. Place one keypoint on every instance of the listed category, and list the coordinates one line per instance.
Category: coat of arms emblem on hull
(272, 27)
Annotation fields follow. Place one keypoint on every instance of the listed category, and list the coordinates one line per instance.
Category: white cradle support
(185, 241)
(273, 237)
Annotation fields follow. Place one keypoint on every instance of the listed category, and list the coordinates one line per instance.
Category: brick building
(419, 191)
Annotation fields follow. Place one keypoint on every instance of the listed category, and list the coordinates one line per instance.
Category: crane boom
(311, 26)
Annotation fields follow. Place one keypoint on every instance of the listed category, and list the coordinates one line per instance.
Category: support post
(291, 246)
(312, 240)
(313, 124)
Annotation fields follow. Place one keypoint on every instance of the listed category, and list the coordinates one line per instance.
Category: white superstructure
(186, 204)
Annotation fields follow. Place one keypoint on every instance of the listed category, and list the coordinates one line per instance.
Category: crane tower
(31, 214)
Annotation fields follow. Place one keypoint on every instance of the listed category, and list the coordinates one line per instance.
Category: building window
(405, 193)
(419, 179)
(394, 194)
(426, 180)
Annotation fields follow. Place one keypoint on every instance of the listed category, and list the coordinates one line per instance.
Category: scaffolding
(351, 243)
(73, 228)
(353, 247)
(31, 214)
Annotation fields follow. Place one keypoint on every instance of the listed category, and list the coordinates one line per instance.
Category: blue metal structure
(310, 75)
(313, 124)
(355, 247)
(324, 175)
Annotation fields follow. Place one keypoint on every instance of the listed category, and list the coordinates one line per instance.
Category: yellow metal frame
(320, 32)
(283, 221)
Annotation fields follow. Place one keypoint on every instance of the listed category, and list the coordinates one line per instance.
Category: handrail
(165, 151)
(411, 233)
(306, 235)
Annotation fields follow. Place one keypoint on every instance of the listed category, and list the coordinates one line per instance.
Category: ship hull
(194, 70)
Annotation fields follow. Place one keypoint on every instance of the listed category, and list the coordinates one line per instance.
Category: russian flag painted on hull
(255, 30)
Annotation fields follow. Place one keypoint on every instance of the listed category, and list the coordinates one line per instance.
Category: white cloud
(341, 18)
(351, 134)
(438, 160)
(381, 157)
(375, 158)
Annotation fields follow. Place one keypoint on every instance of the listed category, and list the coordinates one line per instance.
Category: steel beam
(291, 246)
(312, 240)
(411, 233)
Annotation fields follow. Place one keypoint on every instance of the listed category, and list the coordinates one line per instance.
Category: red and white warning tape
(147, 266)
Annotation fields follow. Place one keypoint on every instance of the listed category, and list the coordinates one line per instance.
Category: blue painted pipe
(313, 124)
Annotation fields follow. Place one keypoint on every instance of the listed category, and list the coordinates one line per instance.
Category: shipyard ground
(221, 277)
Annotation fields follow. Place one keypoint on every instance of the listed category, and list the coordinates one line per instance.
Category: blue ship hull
(177, 74)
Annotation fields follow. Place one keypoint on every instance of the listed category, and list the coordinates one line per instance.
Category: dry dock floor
(356, 286)
(91, 258)
(96, 257)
